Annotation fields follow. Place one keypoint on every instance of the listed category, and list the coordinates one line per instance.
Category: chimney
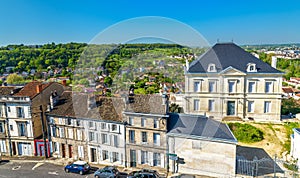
(39, 88)
(64, 82)
(274, 62)
(187, 65)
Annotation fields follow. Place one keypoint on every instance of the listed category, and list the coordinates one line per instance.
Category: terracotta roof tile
(30, 89)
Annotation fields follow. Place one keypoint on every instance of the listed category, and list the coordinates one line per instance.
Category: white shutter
(80, 152)
(2, 146)
(162, 160)
(150, 158)
(138, 156)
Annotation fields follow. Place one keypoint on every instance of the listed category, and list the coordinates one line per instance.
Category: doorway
(70, 151)
(63, 149)
(230, 108)
(93, 155)
(132, 158)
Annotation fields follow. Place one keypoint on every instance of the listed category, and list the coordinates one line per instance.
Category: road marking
(53, 173)
(16, 168)
(37, 165)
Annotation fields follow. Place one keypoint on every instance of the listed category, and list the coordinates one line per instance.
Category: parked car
(107, 172)
(145, 173)
(80, 167)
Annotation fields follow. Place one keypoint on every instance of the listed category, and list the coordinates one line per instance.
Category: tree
(14, 79)
(290, 106)
(175, 108)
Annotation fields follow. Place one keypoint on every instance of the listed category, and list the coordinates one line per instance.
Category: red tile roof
(287, 90)
(30, 89)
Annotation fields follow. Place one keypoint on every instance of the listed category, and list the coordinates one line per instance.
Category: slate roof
(30, 89)
(73, 104)
(6, 90)
(224, 55)
(148, 104)
(199, 126)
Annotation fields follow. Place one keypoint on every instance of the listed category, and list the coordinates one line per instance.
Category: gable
(232, 71)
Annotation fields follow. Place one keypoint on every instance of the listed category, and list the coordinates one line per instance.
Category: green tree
(14, 79)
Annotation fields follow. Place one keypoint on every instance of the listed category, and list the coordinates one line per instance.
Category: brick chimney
(64, 82)
(39, 88)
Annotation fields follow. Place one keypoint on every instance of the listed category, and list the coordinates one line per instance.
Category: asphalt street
(35, 170)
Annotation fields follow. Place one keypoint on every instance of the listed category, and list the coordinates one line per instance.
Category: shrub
(246, 133)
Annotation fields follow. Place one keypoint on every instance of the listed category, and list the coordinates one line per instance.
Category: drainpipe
(43, 130)
(125, 153)
(8, 130)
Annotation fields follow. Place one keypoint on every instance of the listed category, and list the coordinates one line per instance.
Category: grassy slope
(276, 138)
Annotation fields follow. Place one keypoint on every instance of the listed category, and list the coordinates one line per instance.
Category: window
(20, 112)
(114, 127)
(69, 121)
(131, 120)
(55, 147)
(22, 129)
(268, 87)
(62, 132)
(251, 87)
(91, 136)
(250, 106)
(91, 124)
(1, 127)
(131, 136)
(196, 86)
(196, 145)
(115, 156)
(79, 135)
(196, 105)
(156, 123)
(104, 154)
(80, 152)
(70, 133)
(104, 139)
(8, 109)
(116, 140)
(211, 86)
(144, 157)
(78, 123)
(251, 67)
(267, 106)
(0, 111)
(211, 68)
(103, 126)
(156, 159)
(144, 137)
(143, 122)
(11, 127)
(231, 86)
(211, 105)
(53, 131)
(156, 139)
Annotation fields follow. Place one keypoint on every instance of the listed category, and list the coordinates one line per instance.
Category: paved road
(35, 170)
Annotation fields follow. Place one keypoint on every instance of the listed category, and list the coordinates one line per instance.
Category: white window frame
(155, 123)
(156, 136)
(131, 120)
(212, 83)
(267, 106)
(253, 87)
(250, 106)
(271, 87)
(234, 82)
(143, 122)
(196, 105)
(211, 105)
(197, 86)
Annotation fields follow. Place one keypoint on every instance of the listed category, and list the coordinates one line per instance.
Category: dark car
(145, 173)
(107, 172)
(80, 167)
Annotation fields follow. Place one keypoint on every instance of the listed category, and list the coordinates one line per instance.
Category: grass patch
(246, 133)
(289, 130)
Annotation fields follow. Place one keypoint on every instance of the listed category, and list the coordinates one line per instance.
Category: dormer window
(211, 68)
(251, 67)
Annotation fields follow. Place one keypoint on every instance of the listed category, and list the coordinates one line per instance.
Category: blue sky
(61, 21)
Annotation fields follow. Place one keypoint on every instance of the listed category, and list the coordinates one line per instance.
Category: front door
(63, 150)
(231, 108)
(132, 158)
(93, 155)
(70, 151)
(42, 150)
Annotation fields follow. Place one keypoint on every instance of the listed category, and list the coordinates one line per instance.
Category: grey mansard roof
(225, 55)
(197, 126)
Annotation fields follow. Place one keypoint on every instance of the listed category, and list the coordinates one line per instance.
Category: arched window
(251, 67)
(211, 68)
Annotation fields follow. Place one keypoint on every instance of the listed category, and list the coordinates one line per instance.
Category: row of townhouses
(48, 119)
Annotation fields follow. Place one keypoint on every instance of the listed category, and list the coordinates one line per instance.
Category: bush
(246, 133)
